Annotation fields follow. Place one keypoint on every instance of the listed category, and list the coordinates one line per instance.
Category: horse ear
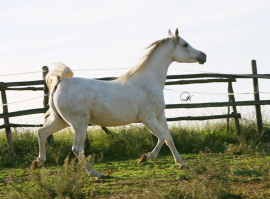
(176, 32)
(170, 33)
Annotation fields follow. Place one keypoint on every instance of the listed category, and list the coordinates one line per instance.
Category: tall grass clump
(123, 143)
(212, 136)
(61, 182)
(25, 147)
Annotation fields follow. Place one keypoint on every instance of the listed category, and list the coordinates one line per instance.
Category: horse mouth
(202, 58)
(201, 61)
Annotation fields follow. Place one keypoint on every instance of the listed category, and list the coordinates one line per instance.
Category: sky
(107, 38)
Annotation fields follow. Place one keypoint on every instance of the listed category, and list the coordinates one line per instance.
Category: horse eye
(185, 45)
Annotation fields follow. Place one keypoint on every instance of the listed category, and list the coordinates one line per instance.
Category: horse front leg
(152, 124)
(169, 141)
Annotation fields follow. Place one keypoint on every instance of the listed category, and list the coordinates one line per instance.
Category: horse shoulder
(153, 99)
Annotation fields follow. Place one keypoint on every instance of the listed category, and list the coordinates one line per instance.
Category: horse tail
(59, 72)
(53, 78)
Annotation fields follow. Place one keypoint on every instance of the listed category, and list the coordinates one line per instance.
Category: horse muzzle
(201, 58)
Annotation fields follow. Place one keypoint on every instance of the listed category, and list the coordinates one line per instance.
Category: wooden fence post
(45, 71)
(228, 119)
(232, 99)
(6, 121)
(257, 98)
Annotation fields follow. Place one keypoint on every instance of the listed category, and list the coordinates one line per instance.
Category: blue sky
(113, 34)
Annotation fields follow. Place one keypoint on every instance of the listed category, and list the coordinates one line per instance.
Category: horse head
(184, 52)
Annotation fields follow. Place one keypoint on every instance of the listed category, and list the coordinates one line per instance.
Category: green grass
(219, 166)
(211, 175)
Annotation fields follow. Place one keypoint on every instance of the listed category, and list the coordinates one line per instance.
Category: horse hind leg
(56, 125)
(78, 149)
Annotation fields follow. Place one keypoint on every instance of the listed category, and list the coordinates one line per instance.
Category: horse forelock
(153, 47)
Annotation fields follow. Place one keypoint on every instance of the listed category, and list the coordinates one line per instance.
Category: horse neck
(157, 66)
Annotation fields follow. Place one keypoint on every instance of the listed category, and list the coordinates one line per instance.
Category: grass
(211, 175)
(219, 166)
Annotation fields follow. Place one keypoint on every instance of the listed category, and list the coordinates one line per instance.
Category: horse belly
(111, 121)
(114, 115)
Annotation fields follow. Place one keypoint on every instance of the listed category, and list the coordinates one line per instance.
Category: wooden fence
(171, 80)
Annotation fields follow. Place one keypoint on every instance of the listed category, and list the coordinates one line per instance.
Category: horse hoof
(100, 177)
(143, 158)
(34, 165)
(183, 166)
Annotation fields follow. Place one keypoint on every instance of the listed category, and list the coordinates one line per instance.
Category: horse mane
(153, 47)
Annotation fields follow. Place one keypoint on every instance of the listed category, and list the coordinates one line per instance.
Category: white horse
(135, 96)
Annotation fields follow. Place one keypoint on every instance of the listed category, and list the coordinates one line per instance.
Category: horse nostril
(202, 58)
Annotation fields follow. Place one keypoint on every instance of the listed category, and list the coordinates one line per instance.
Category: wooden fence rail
(192, 79)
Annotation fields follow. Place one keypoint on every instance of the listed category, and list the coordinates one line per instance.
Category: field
(219, 167)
